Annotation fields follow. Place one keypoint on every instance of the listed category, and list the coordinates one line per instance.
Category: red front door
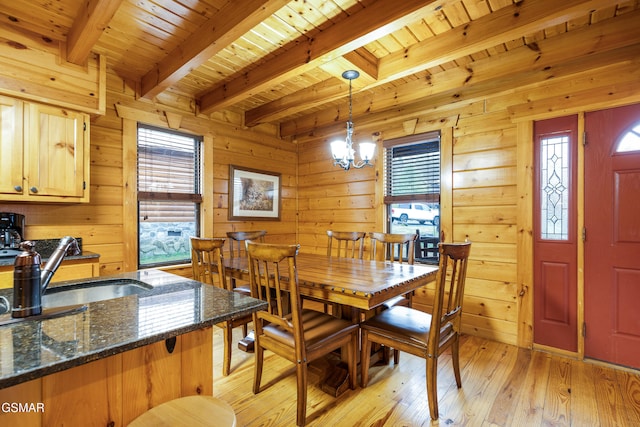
(612, 245)
(555, 322)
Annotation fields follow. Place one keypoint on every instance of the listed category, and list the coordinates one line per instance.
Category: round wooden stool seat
(188, 411)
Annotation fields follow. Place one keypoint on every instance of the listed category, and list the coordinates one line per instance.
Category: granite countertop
(32, 348)
(45, 248)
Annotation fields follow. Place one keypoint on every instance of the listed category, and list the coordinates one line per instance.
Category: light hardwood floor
(502, 385)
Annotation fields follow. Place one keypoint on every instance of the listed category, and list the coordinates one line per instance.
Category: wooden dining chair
(348, 244)
(395, 247)
(301, 336)
(422, 334)
(207, 262)
(237, 240)
(342, 244)
(237, 249)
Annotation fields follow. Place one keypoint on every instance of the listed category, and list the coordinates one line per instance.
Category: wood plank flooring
(502, 385)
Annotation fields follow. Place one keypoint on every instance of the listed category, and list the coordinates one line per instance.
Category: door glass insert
(630, 141)
(554, 187)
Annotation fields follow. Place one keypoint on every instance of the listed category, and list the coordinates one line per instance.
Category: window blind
(412, 171)
(168, 174)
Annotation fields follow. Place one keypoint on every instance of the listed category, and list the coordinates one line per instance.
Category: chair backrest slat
(450, 282)
(237, 247)
(207, 261)
(393, 247)
(274, 278)
(349, 244)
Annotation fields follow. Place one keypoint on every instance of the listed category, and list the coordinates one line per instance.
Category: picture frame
(254, 194)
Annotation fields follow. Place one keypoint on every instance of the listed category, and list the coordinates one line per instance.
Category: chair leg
(352, 349)
(365, 357)
(228, 335)
(386, 351)
(301, 375)
(396, 356)
(432, 386)
(455, 358)
(245, 330)
(257, 368)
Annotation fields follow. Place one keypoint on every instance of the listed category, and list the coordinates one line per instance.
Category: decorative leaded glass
(554, 188)
(630, 141)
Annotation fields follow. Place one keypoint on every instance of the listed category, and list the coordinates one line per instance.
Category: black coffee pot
(29, 282)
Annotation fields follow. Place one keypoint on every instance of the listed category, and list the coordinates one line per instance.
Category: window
(412, 190)
(630, 141)
(554, 187)
(168, 195)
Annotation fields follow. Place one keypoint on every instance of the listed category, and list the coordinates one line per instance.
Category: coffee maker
(11, 233)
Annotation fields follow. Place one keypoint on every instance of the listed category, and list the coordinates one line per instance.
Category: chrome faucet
(29, 283)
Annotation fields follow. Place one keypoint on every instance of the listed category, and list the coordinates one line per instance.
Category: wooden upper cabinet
(11, 147)
(50, 148)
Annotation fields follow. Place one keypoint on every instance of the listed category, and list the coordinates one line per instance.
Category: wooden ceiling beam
(365, 61)
(600, 96)
(432, 109)
(229, 24)
(504, 25)
(87, 28)
(380, 18)
(605, 42)
(318, 94)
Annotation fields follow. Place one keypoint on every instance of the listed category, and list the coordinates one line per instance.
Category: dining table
(359, 284)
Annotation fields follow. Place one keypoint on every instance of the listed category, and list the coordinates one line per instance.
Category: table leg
(338, 380)
(247, 344)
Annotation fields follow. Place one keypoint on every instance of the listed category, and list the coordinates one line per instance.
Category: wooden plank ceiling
(280, 61)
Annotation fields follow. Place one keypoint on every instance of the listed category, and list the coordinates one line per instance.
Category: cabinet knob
(18, 188)
(34, 189)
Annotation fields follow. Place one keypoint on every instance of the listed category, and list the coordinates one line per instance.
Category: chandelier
(342, 150)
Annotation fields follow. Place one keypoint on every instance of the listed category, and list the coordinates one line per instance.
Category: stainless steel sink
(84, 293)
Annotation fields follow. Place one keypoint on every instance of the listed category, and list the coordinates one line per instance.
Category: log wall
(487, 185)
(107, 224)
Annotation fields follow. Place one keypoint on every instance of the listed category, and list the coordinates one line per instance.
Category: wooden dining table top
(362, 284)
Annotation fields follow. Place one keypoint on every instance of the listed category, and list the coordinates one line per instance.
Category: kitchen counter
(46, 247)
(8, 261)
(33, 348)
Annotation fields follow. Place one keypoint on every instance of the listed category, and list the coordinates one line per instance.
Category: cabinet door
(55, 143)
(11, 155)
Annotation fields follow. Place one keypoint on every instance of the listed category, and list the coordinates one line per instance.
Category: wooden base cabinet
(44, 153)
(115, 390)
(68, 270)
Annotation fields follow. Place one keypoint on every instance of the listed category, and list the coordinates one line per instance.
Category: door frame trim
(580, 225)
(525, 240)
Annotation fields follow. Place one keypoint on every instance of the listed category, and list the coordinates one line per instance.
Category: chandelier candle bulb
(366, 150)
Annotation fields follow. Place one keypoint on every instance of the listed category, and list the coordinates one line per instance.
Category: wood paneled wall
(485, 212)
(107, 224)
(28, 62)
(490, 188)
(331, 199)
(487, 181)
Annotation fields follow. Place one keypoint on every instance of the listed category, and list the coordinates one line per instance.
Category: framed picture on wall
(253, 194)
